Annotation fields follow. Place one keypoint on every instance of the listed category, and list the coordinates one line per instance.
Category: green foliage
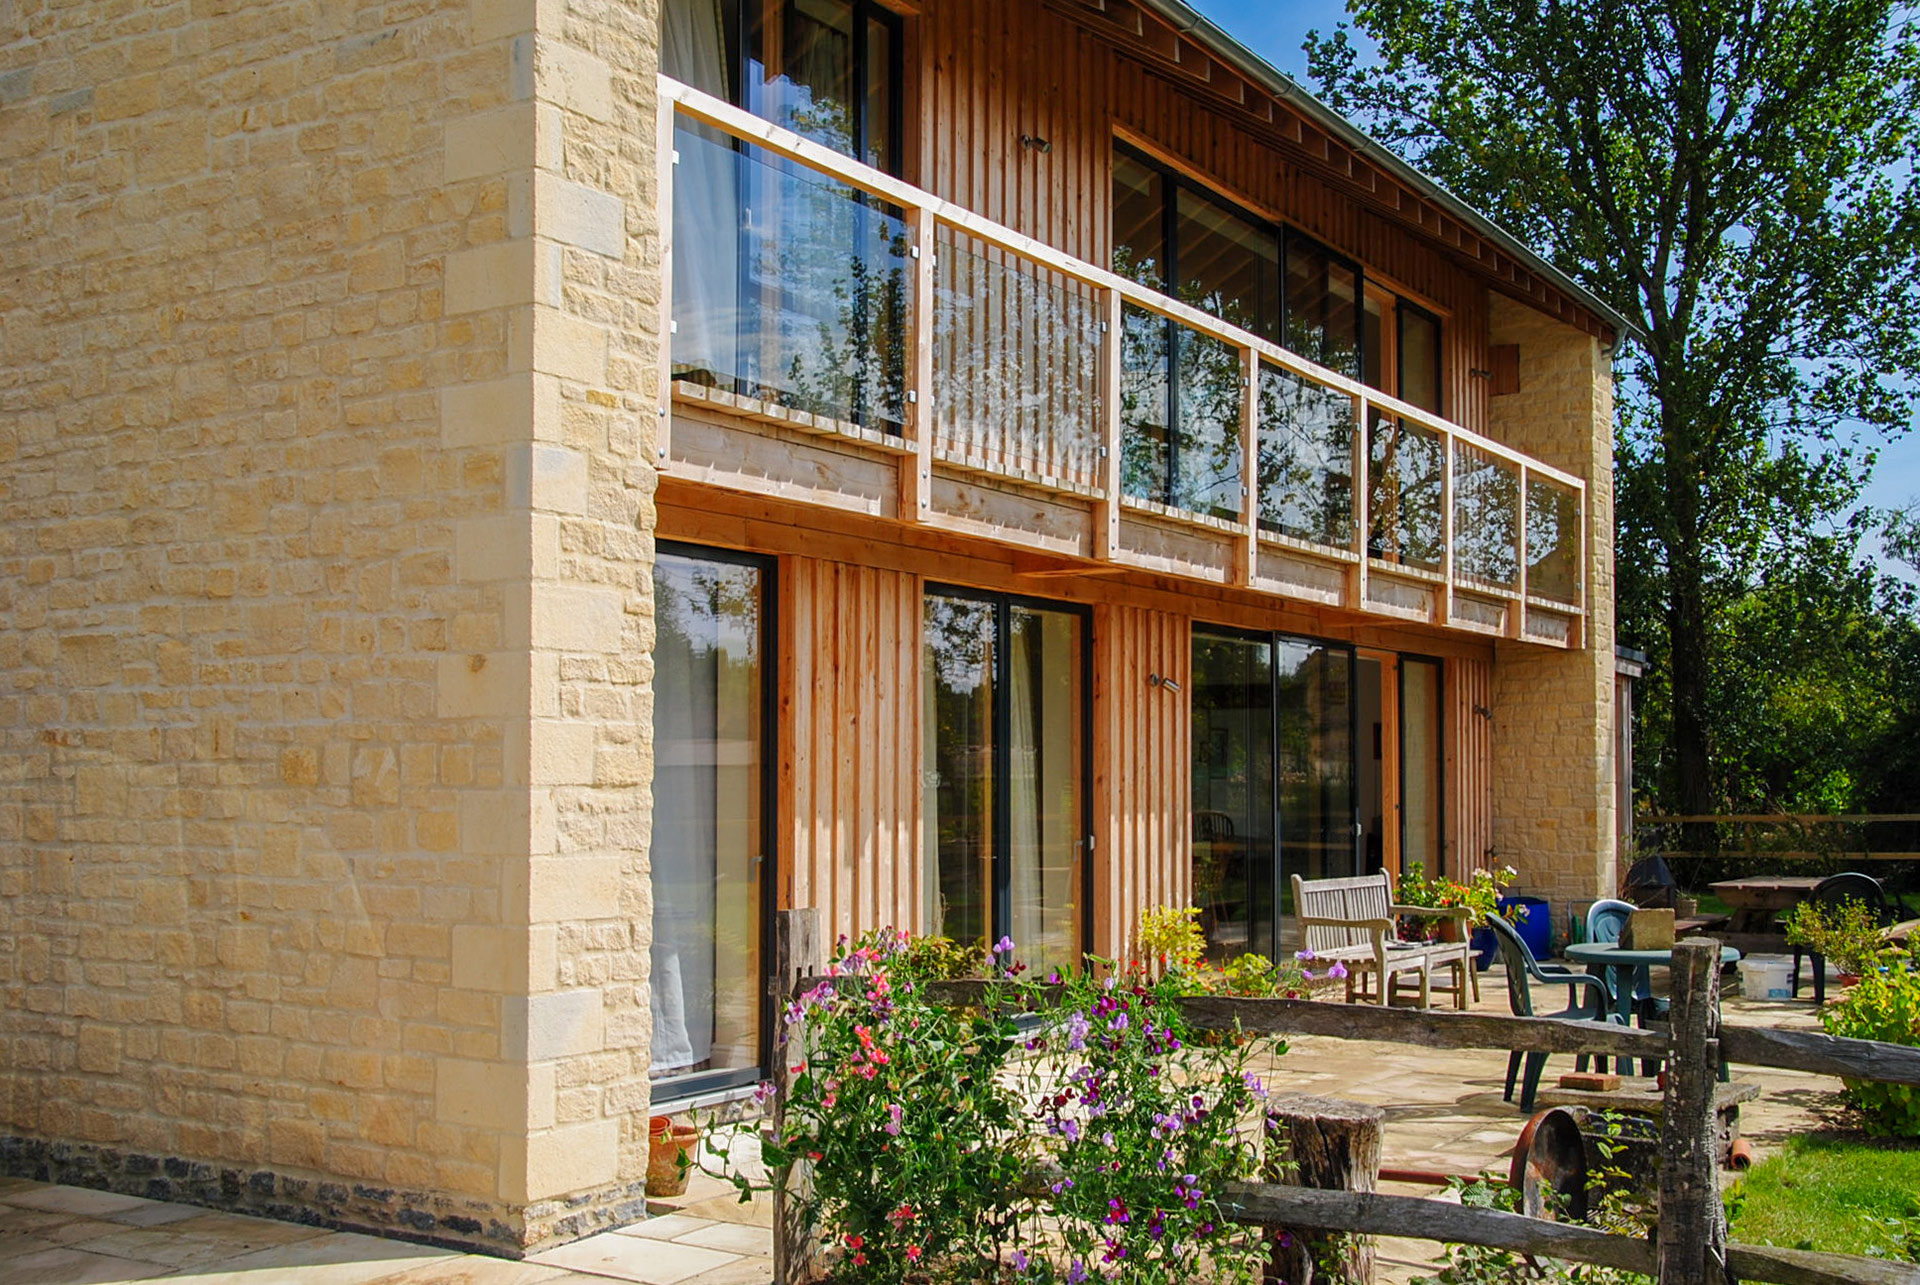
(1170, 942)
(1834, 1194)
(1737, 180)
(921, 1124)
(1480, 895)
(1172, 936)
(1482, 1265)
(1849, 934)
(1883, 1005)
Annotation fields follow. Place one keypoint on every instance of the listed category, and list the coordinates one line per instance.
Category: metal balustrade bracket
(676, 156)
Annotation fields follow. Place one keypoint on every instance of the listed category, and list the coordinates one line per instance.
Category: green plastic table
(1610, 962)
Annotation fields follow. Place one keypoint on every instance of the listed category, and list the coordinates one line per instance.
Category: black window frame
(1285, 237)
(699, 1084)
(1000, 898)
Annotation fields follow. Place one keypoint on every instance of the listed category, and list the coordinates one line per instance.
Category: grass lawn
(1834, 1192)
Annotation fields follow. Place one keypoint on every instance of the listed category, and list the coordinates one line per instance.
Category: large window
(1004, 716)
(790, 287)
(711, 867)
(1273, 780)
(1307, 761)
(1181, 391)
(828, 69)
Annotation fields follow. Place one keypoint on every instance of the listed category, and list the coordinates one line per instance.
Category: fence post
(1334, 1146)
(799, 952)
(1693, 1225)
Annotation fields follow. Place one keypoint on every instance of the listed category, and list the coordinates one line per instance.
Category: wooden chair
(1350, 921)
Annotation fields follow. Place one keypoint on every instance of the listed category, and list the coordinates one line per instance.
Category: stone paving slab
(1444, 1113)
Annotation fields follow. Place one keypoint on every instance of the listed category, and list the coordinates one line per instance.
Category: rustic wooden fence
(1690, 1245)
(1783, 836)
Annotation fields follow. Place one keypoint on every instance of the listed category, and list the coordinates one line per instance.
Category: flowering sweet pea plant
(1066, 1129)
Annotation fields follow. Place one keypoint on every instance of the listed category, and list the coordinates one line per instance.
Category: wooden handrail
(744, 125)
(925, 210)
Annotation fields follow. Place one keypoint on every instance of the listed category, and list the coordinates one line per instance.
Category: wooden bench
(1351, 922)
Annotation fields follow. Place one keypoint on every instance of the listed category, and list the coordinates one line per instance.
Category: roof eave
(1190, 22)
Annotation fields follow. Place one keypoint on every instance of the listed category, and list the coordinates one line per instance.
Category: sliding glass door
(1235, 810)
(1005, 783)
(1273, 780)
(712, 677)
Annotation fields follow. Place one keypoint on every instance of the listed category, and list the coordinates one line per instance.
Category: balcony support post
(1443, 600)
(664, 160)
(916, 468)
(1249, 568)
(1106, 513)
(1517, 627)
(1362, 509)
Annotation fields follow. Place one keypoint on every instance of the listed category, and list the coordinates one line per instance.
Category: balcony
(842, 338)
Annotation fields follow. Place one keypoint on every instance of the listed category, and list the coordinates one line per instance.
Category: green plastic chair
(1522, 971)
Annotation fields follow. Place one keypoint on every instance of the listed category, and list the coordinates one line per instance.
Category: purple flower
(894, 1113)
(763, 1093)
(1020, 1261)
(1004, 946)
(1119, 1022)
(1254, 1085)
(1303, 955)
(1077, 1031)
(1071, 1130)
(1076, 1273)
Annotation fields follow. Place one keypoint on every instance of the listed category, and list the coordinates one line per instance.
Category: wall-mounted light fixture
(1035, 143)
(1155, 680)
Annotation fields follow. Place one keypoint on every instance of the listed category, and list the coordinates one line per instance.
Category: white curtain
(706, 201)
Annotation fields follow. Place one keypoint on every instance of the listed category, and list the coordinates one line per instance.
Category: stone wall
(326, 386)
(1553, 745)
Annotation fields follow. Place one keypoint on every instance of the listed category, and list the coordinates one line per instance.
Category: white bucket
(1766, 977)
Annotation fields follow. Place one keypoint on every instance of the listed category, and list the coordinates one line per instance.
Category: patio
(1444, 1113)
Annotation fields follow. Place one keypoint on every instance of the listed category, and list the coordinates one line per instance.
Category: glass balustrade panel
(1553, 541)
(1404, 490)
(1306, 459)
(1486, 517)
(1016, 363)
(788, 287)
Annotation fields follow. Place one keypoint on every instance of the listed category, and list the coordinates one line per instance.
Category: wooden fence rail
(1691, 1247)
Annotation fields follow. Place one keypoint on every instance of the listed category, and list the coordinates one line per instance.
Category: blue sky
(1276, 31)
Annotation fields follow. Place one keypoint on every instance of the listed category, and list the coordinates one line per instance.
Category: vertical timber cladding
(1142, 765)
(1469, 768)
(850, 743)
(997, 72)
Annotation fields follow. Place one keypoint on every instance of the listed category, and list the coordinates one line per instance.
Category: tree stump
(1334, 1146)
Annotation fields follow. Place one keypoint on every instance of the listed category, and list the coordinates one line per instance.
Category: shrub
(1848, 933)
(1884, 1005)
(924, 1126)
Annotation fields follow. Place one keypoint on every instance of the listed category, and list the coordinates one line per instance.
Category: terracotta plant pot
(667, 1143)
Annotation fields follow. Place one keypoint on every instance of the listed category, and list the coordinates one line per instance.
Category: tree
(1736, 178)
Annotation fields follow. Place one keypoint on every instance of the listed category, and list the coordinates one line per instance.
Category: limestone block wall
(1553, 744)
(326, 340)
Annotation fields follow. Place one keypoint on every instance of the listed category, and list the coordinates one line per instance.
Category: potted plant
(1415, 889)
(1848, 933)
(668, 1158)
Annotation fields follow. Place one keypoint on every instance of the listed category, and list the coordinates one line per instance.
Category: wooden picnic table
(1755, 901)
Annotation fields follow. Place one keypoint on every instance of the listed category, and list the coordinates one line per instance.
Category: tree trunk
(1688, 644)
(1333, 1146)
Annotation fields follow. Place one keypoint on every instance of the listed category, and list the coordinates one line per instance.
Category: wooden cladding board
(1469, 770)
(992, 72)
(850, 725)
(850, 743)
(1143, 765)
